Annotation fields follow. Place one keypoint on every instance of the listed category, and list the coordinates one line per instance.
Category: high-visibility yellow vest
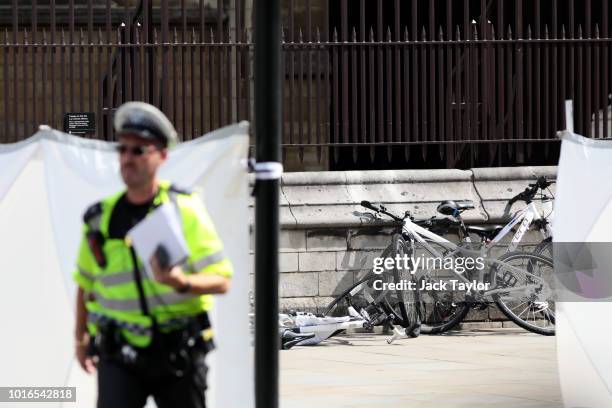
(111, 291)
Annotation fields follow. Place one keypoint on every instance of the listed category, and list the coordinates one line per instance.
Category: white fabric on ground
(323, 327)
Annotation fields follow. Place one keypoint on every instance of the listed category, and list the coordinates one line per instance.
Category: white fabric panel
(581, 383)
(45, 186)
(583, 202)
(37, 331)
(13, 159)
(583, 185)
(220, 177)
(77, 174)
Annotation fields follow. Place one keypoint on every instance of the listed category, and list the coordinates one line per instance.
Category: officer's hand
(88, 364)
(168, 276)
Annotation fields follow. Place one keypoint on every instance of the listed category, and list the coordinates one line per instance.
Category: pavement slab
(499, 368)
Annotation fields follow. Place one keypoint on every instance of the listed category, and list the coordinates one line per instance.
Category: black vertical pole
(268, 138)
(151, 52)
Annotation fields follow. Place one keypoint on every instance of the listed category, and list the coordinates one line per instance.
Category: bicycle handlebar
(542, 183)
(383, 210)
(368, 205)
(430, 223)
(529, 193)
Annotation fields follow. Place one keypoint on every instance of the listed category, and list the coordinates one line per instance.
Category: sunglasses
(135, 150)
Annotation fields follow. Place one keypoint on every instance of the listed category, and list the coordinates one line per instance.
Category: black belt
(169, 352)
(195, 328)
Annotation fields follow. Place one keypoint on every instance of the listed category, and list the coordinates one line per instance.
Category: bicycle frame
(422, 235)
(525, 216)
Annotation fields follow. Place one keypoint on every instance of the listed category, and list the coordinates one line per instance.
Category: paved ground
(485, 368)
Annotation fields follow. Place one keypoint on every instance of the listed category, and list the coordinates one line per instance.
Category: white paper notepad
(162, 226)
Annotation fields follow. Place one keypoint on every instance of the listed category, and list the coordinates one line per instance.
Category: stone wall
(327, 242)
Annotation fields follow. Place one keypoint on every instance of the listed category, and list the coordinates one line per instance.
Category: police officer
(145, 336)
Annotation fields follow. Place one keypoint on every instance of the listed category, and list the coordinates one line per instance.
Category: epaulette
(94, 210)
(95, 239)
(179, 190)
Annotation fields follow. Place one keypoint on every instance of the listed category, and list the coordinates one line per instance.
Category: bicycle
(437, 311)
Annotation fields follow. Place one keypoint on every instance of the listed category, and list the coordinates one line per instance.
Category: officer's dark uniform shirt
(125, 215)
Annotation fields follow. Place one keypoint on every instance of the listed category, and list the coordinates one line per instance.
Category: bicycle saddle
(485, 231)
(450, 207)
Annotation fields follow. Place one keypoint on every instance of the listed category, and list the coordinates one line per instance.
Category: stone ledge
(331, 199)
(374, 177)
(513, 173)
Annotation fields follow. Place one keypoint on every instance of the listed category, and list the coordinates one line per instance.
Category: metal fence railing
(367, 82)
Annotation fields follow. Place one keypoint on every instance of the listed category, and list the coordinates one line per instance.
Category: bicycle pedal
(538, 306)
(397, 333)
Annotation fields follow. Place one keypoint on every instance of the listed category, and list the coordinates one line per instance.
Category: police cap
(145, 121)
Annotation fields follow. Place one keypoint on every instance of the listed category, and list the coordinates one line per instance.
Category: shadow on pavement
(347, 339)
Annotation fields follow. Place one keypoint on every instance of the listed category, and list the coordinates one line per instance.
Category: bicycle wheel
(362, 297)
(405, 302)
(529, 301)
(438, 310)
(371, 298)
(442, 310)
(545, 248)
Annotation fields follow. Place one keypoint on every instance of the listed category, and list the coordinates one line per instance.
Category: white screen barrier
(46, 183)
(584, 204)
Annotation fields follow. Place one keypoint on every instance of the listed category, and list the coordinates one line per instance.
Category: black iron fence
(181, 56)
(368, 83)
